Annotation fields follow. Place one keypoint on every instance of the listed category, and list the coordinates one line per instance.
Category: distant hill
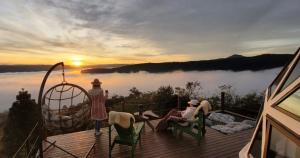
(34, 68)
(23, 68)
(233, 63)
(236, 56)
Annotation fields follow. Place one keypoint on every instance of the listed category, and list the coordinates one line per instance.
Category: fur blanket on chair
(205, 106)
(120, 118)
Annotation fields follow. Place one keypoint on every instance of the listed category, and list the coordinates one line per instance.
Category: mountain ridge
(233, 63)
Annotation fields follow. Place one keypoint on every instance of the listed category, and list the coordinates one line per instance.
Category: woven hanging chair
(66, 108)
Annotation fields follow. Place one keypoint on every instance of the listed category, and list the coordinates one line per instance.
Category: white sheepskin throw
(205, 105)
(234, 127)
(120, 118)
(220, 117)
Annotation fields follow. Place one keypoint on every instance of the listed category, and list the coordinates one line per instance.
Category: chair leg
(200, 135)
(132, 151)
(203, 131)
(174, 131)
(109, 154)
(111, 148)
(140, 139)
(180, 133)
(109, 142)
(113, 144)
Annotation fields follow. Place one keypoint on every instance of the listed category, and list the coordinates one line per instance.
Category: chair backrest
(204, 106)
(121, 118)
(125, 134)
(200, 116)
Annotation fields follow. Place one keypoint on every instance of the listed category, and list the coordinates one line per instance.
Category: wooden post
(123, 105)
(178, 103)
(140, 109)
(222, 101)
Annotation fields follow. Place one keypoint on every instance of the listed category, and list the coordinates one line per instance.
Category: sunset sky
(137, 31)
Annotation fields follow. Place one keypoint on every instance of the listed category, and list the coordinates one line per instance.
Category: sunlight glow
(77, 62)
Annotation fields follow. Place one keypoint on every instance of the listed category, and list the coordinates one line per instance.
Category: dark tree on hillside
(165, 99)
(134, 92)
(193, 89)
(22, 117)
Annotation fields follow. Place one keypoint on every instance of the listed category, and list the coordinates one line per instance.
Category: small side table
(145, 116)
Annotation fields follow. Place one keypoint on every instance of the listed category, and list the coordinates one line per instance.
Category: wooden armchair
(194, 127)
(126, 136)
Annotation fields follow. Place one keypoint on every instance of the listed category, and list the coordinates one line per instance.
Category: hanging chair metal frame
(70, 87)
(41, 98)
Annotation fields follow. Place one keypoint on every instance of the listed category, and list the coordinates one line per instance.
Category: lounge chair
(195, 126)
(128, 133)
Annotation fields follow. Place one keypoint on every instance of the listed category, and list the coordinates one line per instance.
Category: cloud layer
(133, 31)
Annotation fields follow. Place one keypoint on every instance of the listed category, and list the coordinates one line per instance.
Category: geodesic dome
(66, 108)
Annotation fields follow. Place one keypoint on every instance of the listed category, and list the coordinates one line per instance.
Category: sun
(76, 62)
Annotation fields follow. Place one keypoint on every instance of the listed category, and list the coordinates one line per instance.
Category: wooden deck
(213, 145)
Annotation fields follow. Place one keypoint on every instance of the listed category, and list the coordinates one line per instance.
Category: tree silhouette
(22, 117)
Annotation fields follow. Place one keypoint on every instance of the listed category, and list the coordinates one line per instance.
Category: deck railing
(137, 106)
(221, 105)
(238, 111)
(31, 145)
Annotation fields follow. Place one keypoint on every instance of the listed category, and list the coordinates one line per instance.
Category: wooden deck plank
(214, 144)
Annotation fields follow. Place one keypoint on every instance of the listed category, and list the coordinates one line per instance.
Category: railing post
(222, 101)
(178, 103)
(140, 109)
(123, 105)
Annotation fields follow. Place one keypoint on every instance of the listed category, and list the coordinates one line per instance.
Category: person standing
(98, 110)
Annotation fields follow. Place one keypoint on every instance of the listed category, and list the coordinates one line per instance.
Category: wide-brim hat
(96, 82)
(193, 102)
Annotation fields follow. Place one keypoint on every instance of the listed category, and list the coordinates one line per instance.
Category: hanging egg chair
(65, 108)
